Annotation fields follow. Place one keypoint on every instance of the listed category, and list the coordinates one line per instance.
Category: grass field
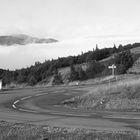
(19, 131)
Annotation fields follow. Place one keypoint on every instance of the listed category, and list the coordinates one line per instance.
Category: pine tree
(81, 74)
(96, 47)
(32, 81)
(57, 78)
(94, 68)
(124, 61)
(73, 73)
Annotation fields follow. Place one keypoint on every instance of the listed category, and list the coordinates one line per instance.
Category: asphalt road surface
(42, 106)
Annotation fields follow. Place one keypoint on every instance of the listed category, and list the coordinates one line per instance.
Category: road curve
(23, 105)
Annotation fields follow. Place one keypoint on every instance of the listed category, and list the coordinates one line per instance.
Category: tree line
(41, 71)
(123, 62)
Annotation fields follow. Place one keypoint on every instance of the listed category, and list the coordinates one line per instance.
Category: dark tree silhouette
(57, 80)
(124, 61)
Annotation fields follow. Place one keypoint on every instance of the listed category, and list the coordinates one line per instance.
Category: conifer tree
(57, 78)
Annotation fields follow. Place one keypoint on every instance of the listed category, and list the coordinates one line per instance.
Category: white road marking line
(59, 91)
(14, 106)
(16, 102)
(123, 117)
(27, 110)
(32, 111)
(37, 95)
(25, 97)
(69, 114)
(40, 94)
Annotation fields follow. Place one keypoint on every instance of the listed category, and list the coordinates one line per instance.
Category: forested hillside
(96, 61)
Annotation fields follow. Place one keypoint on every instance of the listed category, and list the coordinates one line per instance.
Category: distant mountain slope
(21, 39)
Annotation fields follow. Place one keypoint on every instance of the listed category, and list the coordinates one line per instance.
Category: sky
(78, 25)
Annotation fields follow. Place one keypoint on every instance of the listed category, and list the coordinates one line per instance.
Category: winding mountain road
(42, 106)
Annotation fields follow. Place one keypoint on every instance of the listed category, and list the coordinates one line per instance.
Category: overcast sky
(74, 23)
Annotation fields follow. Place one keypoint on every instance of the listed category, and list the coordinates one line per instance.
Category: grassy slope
(122, 95)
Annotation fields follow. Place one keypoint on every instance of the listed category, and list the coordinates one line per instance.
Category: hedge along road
(38, 106)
